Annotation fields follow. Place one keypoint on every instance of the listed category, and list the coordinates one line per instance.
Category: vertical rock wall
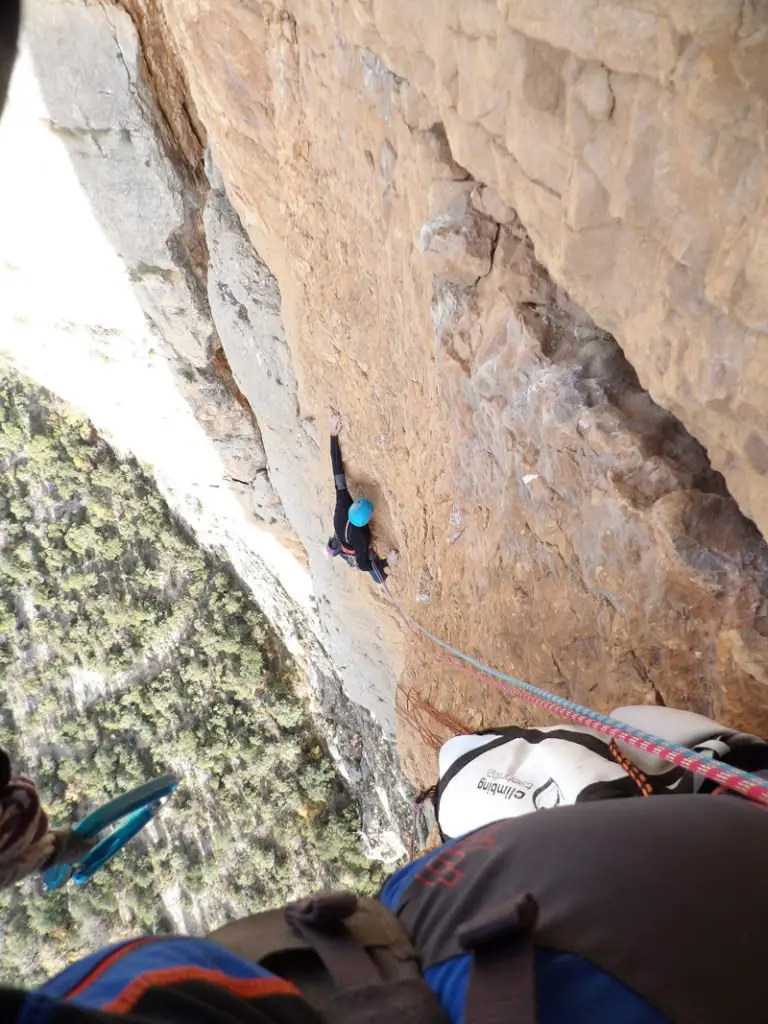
(139, 191)
(414, 177)
(630, 135)
(246, 306)
(449, 205)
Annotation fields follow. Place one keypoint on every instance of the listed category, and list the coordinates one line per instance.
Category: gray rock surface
(88, 62)
(129, 337)
(245, 304)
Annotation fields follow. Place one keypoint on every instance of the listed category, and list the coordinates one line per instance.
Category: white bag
(512, 771)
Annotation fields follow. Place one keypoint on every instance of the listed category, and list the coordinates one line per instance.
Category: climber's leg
(339, 478)
(343, 497)
(379, 573)
(340, 513)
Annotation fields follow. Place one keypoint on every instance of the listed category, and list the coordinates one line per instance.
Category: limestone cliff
(105, 301)
(429, 217)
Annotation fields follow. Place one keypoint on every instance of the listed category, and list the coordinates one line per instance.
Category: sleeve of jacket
(361, 540)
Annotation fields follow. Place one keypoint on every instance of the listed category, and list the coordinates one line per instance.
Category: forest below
(126, 651)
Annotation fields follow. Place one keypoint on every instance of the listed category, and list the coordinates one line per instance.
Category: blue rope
(734, 778)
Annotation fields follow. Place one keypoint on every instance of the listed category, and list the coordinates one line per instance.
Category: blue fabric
(155, 955)
(450, 981)
(71, 976)
(569, 990)
(396, 884)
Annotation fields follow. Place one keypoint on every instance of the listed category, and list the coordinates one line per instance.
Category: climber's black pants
(381, 566)
(358, 538)
(338, 466)
(343, 497)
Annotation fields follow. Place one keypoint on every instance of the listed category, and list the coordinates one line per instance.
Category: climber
(352, 536)
(655, 916)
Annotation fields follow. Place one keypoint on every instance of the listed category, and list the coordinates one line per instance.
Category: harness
(347, 553)
(348, 549)
(353, 962)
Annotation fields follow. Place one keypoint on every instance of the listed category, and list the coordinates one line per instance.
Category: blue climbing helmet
(361, 512)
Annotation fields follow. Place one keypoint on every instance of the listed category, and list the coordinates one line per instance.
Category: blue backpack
(636, 911)
(641, 911)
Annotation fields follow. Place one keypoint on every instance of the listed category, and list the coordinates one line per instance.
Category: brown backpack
(354, 964)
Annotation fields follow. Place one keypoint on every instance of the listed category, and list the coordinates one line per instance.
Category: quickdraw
(133, 810)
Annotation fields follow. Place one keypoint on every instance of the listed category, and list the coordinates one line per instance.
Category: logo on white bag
(497, 784)
(547, 796)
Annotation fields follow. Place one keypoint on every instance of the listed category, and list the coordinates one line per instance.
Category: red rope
(749, 786)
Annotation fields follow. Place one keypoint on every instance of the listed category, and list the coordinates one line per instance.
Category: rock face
(148, 205)
(437, 214)
(127, 333)
(423, 183)
(246, 307)
(630, 137)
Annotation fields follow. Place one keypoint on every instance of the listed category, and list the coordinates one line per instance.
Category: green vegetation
(126, 651)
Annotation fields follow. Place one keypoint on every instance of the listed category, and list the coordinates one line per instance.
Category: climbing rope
(747, 785)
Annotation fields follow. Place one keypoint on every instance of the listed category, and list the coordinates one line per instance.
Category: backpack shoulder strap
(502, 981)
(351, 958)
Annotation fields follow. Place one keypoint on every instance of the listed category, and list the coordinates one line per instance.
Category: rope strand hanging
(744, 783)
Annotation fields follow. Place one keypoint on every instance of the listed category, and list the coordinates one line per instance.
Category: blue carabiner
(137, 808)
